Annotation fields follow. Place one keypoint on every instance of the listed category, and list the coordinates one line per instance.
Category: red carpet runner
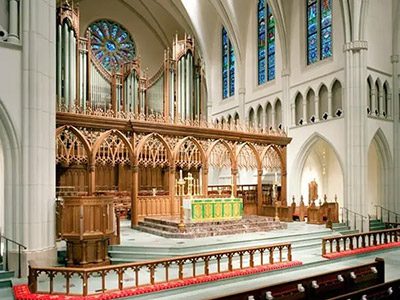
(360, 250)
(21, 292)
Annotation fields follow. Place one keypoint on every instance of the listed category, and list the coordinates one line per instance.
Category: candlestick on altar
(181, 188)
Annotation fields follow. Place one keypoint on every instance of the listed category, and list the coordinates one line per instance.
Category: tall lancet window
(228, 66)
(266, 42)
(319, 30)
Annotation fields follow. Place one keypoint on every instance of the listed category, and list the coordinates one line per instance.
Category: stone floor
(305, 238)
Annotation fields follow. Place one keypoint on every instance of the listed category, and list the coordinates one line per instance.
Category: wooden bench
(389, 290)
(322, 286)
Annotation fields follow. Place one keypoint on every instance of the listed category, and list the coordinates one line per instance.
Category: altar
(213, 209)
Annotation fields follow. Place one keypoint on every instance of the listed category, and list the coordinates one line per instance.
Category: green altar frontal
(216, 209)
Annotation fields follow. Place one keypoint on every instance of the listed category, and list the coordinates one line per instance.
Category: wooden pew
(389, 290)
(321, 286)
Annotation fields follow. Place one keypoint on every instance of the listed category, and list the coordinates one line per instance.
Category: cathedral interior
(212, 149)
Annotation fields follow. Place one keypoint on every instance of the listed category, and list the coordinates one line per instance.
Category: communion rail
(359, 240)
(88, 281)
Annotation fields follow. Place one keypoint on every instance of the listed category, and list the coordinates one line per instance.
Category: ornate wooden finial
(335, 198)
(325, 198)
(293, 199)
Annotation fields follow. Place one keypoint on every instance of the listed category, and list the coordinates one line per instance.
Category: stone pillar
(36, 224)
(316, 108)
(13, 20)
(355, 188)
(330, 115)
(381, 107)
(305, 121)
(134, 197)
(373, 101)
(394, 110)
(293, 111)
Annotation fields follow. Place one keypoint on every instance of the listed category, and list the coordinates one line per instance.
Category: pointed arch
(226, 145)
(138, 149)
(260, 116)
(384, 154)
(336, 91)
(78, 134)
(268, 115)
(310, 105)
(254, 151)
(10, 149)
(323, 105)
(104, 136)
(177, 147)
(304, 153)
(278, 152)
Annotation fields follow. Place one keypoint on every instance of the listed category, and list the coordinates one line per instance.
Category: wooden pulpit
(86, 223)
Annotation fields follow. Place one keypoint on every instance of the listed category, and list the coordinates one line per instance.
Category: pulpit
(86, 223)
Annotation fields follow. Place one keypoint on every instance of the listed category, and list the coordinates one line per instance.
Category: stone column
(13, 20)
(330, 115)
(36, 225)
(293, 111)
(395, 113)
(316, 108)
(381, 107)
(355, 188)
(373, 101)
(284, 177)
(304, 104)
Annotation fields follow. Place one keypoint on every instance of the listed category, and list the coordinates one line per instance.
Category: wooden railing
(86, 281)
(359, 240)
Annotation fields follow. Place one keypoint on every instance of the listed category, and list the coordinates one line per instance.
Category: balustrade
(359, 240)
(86, 281)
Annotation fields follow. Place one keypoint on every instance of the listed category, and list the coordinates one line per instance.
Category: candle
(276, 177)
(180, 174)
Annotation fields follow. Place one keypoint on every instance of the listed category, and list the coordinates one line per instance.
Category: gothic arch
(143, 141)
(196, 142)
(78, 134)
(223, 142)
(10, 149)
(304, 153)
(253, 149)
(105, 135)
(277, 150)
(386, 166)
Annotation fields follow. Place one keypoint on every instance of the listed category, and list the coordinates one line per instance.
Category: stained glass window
(228, 66)
(319, 30)
(266, 42)
(111, 44)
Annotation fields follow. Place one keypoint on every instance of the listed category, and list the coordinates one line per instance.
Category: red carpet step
(361, 250)
(21, 292)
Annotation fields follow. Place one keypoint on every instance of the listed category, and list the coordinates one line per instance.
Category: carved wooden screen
(188, 155)
(246, 158)
(220, 157)
(153, 154)
(112, 151)
(271, 161)
(69, 149)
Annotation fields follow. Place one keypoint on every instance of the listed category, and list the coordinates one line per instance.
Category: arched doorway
(322, 165)
(380, 167)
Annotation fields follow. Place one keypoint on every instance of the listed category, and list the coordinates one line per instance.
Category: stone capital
(356, 46)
